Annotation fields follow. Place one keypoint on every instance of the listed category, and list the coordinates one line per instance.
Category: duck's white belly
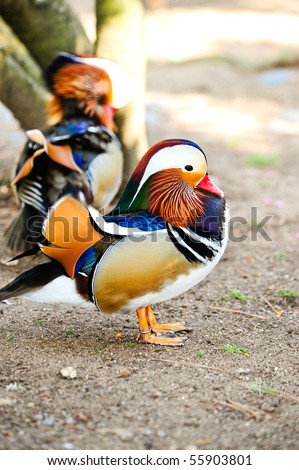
(182, 284)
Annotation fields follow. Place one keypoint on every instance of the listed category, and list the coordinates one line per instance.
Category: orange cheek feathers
(194, 177)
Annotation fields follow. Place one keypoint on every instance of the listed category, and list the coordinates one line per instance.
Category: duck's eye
(188, 167)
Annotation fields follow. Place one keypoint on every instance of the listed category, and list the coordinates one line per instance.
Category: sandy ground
(234, 385)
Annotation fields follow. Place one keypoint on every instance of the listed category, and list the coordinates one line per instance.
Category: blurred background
(196, 65)
(224, 74)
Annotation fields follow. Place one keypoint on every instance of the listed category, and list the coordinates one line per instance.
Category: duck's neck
(211, 222)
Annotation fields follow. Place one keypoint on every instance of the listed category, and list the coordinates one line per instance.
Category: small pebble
(68, 445)
(204, 442)
(48, 420)
(147, 432)
(14, 387)
(125, 434)
(6, 402)
(68, 372)
(124, 373)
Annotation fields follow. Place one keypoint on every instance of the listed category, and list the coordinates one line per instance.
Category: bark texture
(45, 27)
(21, 86)
(120, 37)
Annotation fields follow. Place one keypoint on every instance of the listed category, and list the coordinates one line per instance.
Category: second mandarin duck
(167, 232)
(79, 153)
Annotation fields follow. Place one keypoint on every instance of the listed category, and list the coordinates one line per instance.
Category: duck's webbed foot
(163, 327)
(152, 332)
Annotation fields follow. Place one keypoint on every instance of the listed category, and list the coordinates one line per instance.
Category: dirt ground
(234, 385)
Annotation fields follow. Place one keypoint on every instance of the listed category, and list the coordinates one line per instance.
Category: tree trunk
(45, 27)
(120, 37)
(21, 88)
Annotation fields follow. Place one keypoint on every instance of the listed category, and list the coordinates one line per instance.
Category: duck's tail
(24, 232)
(68, 231)
(31, 280)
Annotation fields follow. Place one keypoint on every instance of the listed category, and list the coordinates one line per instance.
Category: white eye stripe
(121, 83)
(178, 156)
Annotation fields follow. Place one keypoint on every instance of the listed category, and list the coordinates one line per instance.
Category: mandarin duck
(167, 232)
(78, 153)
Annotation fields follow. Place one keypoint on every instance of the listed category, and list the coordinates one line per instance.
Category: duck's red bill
(207, 185)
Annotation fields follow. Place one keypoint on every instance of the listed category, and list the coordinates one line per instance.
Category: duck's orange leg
(163, 327)
(146, 336)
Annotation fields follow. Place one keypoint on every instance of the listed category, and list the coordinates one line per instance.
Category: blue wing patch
(68, 129)
(86, 261)
(141, 220)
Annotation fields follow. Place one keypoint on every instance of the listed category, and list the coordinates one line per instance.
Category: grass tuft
(279, 256)
(9, 339)
(260, 159)
(200, 353)
(236, 294)
(288, 294)
(69, 331)
(234, 349)
(129, 344)
(264, 387)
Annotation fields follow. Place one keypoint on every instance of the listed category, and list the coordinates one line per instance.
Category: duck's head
(170, 181)
(95, 86)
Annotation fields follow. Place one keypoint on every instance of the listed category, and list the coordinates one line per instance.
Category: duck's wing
(59, 161)
(132, 224)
